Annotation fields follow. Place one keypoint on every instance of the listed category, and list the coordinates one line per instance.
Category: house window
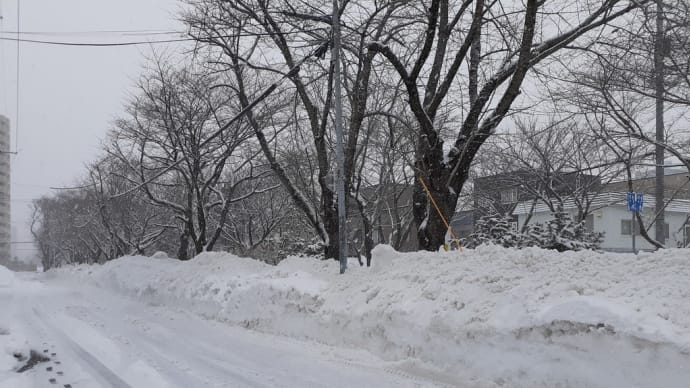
(509, 196)
(626, 228)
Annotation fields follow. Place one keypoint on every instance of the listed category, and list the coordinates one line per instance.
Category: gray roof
(603, 200)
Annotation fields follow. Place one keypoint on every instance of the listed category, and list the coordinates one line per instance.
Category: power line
(13, 183)
(318, 52)
(147, 42)
(99, 32)
(96, 44)
(77, 187)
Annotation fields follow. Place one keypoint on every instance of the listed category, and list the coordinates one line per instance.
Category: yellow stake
(438, 210)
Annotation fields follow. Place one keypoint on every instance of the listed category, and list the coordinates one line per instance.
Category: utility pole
(339, 152)
(659, 221)
(632, 231)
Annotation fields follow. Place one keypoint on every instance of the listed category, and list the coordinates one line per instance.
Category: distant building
(676, 184)
(608, 212)
(610, 215)
(463, 223)
(513, 194)
(5, 231)
(499, 194)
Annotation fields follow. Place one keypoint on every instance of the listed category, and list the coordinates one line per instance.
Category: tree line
(229, 144)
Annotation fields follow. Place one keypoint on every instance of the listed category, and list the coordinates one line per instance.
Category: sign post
(632, 231)
(339, 152)
(635, 204)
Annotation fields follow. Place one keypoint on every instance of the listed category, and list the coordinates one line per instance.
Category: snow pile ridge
(432, 306)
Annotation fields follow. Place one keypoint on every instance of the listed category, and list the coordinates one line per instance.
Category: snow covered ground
(488, 317)
(95, 338)
(12, 333)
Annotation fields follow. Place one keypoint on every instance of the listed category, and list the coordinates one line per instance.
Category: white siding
(608, 221)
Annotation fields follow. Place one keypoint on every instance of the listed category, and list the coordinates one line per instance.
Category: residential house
(608, 213)
(500, 194)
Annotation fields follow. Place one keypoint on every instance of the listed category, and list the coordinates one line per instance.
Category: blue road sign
(635, 202)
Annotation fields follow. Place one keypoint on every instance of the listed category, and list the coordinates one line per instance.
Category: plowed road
(97, 339)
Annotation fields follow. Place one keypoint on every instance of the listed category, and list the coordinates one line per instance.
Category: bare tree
(167, 148)
(245, 31)
(633, 86)
(509, 47)
(426, 45)
(66, 230)
(551, 163)
(130, 224)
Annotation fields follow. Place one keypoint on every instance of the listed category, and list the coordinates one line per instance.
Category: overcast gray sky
(68, 95)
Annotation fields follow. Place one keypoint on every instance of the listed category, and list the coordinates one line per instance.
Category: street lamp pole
(339, 152)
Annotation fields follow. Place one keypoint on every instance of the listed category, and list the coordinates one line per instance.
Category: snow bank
(12, 341)
(451, 309)
(12, 338)
(6, 277)
(7, 362)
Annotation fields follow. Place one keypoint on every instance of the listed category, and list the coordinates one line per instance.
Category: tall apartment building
(5, 233)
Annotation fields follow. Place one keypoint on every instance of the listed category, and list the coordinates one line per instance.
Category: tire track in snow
(160, 351)
(179, 353)
(208, 358)
(103, 372)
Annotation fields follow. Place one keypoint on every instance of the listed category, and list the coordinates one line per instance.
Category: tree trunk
(432, 233)
(183, 251)
(329, 207)
(368, 230)
(659, 221)
(433, 173)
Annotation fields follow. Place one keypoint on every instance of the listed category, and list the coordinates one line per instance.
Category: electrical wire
(20, 40)
(318, 52)
(142, 42)
(95, 44)
(98, 32)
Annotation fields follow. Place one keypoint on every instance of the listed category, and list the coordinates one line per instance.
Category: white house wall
(608, 220)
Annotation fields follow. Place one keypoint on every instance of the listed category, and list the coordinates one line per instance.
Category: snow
(8, 345)
(489, 315)
(12, 337)
(96, 338)
(160, 255)
(6, 277)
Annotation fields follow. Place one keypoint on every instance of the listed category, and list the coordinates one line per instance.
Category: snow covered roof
(603, 200)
